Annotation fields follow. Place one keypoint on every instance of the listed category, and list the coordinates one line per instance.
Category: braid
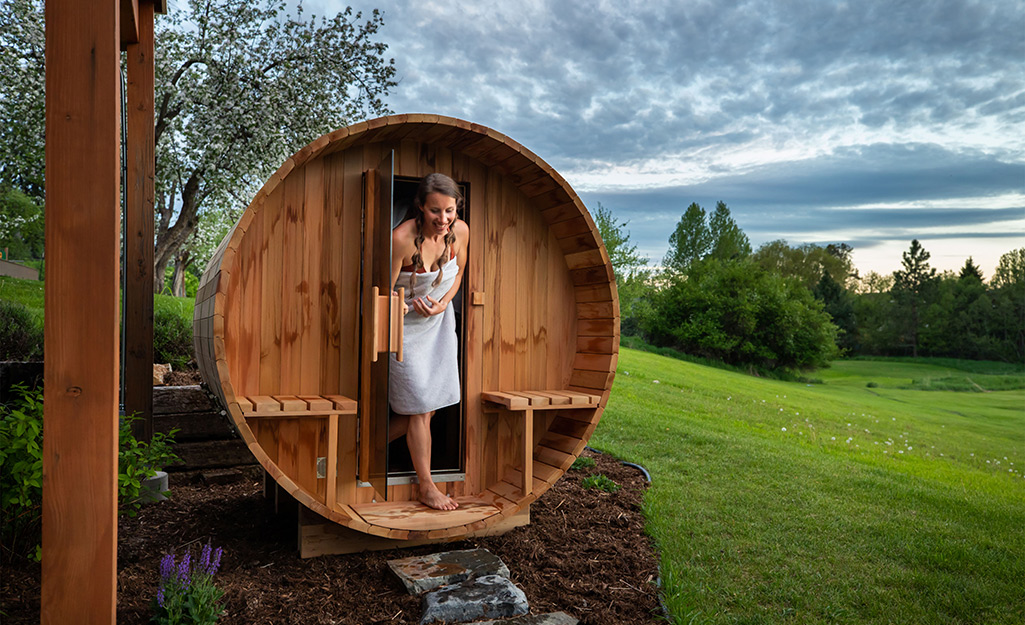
(418, 261)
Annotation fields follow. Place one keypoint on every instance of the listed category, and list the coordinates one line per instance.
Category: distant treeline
(794, 308)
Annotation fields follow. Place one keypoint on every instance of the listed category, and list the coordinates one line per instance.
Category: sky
(869, 122)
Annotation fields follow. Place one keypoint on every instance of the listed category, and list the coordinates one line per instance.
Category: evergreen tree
(970, 270)
(728, 240)
(911, 290)
(689, 242)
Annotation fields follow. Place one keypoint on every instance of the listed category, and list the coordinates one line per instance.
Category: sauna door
(381, 320)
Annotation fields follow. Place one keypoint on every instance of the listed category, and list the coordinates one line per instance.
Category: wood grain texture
(544, 329)
(83, 106)
(139, 202)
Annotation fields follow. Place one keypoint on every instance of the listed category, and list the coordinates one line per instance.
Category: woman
(428, 259)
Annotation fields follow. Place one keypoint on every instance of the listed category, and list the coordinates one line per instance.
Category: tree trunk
(170, 239)
(181, 263)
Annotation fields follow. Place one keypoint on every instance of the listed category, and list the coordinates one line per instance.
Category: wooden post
(79, 567)
(140, 164)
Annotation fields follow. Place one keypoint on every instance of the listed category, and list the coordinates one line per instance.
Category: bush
(21, 472)
(21, 469)
(138, 460)
(21, 337)
(738, 313)
(172, 339)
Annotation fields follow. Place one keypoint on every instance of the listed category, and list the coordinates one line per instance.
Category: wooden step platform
(413, 515)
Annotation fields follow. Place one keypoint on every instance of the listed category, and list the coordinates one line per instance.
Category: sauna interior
(294, 323)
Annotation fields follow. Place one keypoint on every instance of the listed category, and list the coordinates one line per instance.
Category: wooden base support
(321, 537)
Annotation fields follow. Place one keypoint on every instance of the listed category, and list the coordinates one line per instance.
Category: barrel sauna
(294, 321)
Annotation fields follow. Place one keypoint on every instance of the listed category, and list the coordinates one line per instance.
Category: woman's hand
(428, 306)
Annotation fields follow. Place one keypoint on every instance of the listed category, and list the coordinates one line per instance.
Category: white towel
(428, 377)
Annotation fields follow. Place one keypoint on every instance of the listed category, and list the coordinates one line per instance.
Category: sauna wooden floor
(413, 515)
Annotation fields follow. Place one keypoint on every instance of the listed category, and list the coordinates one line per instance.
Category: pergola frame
(82, 313)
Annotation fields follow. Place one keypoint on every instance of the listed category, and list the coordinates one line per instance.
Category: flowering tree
(22, 116)
(241, 87)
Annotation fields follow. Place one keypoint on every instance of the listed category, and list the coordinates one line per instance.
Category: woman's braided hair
(433, 183)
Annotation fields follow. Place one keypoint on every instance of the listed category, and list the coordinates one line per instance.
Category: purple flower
(166, 566)
(216, 562)
(204, 559)
(185, 570)
(160, 597)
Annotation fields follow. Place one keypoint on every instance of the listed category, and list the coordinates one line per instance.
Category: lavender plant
(187, 594)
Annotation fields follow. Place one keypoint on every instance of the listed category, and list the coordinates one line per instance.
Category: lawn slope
(840, 502)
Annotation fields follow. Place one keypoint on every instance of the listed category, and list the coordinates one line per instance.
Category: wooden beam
(83, 106)
(131, 22)
(139, 208)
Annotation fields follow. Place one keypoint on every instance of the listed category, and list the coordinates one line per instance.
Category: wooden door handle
(387, 332)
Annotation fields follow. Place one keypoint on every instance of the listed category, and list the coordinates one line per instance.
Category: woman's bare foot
(434, 498)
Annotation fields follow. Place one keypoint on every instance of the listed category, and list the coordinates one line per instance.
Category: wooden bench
(279, 406)
(526, 402)
(298, 406)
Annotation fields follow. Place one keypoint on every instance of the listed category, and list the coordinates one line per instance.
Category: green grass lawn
(783, 502)
(30, 293)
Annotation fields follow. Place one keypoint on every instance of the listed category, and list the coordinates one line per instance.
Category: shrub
(21, 337)
(21, 469)
(139, 460)
(172, 339)
(21, 472)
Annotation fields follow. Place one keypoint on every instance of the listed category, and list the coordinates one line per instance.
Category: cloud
(787, 110)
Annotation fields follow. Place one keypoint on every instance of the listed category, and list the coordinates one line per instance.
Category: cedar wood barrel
(286, 319)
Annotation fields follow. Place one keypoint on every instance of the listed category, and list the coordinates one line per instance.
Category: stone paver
(425, 573)
(488, 596)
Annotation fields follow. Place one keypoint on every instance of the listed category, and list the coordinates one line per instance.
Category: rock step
(487, 596)
(552, 618)
(422, 574)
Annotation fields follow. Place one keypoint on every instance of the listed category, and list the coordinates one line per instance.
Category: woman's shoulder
(461, 230)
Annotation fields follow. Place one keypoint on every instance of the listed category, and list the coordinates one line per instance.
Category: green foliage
(728, 241)
(187, 594)
(21, 336)
(600, 481)
(808, 262)
(690, 241)
(138, 461)
(735, 312)
(583, 462)
(912, 291)
(21, 225)
(172, 338)
(29, 293)
(21, 471)
(839, 305)
(630, 269)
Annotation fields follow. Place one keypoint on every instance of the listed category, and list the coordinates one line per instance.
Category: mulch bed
(585, 553)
